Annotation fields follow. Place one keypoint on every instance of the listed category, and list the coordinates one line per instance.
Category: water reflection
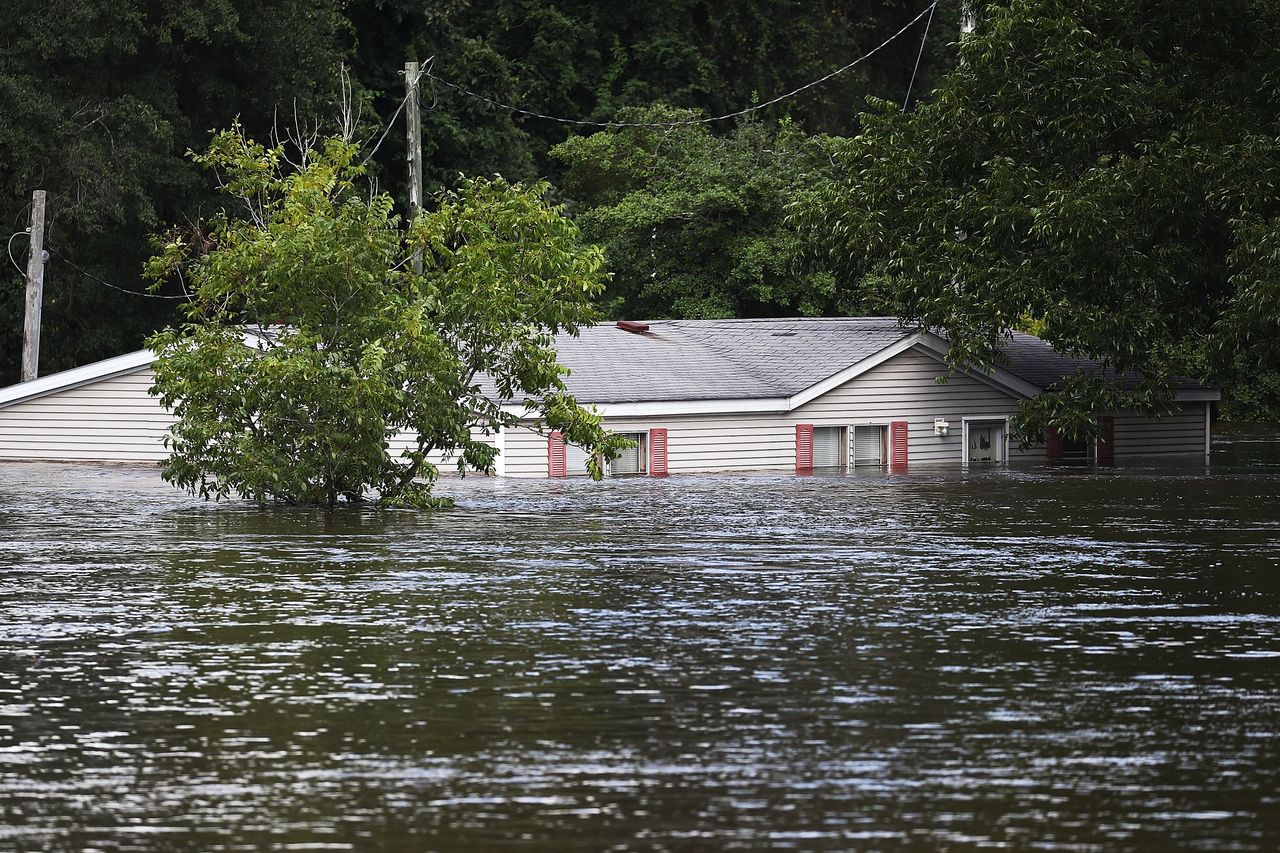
(1067, 659)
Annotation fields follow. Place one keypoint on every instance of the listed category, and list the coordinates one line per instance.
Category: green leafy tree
(347, 347)
(694, 223)
(1104, 172)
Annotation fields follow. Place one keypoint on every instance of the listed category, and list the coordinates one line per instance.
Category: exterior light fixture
(941, 427)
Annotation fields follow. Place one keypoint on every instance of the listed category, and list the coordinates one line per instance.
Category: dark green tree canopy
(101, 100)
(694, 223)
(1103, 172)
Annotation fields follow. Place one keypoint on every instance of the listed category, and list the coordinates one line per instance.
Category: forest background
(104, 100)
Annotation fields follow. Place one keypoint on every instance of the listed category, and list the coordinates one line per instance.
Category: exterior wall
(902, 388)
(1182, 433)
(110, 420)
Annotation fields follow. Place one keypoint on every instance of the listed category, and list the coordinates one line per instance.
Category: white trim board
(76, 377)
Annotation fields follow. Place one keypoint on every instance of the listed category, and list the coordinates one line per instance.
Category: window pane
(868, 442)
(575, 459)
(826, 447)
(633, 458)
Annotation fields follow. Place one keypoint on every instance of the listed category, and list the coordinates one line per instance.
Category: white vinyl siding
(1180, 433)
(903, 389)
(107, 420)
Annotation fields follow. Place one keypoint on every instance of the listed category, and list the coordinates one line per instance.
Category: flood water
(1033, 658)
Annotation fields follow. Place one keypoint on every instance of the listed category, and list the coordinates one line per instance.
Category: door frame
(1002, 452)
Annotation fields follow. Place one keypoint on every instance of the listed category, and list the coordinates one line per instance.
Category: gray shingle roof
(1040, 364)
(718, 359)
(755, 358)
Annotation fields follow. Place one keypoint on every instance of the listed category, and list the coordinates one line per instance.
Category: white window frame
(846, 447)
(644, 455)
(1003, 458)
(885, 427)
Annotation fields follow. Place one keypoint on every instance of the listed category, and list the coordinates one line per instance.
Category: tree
(583, 59)
(348, 347)
(1104, 172)
(693, 223)
(101, 101)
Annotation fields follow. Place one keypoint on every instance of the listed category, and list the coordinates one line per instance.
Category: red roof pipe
(633, 326)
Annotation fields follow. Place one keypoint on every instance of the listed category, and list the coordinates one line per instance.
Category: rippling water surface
(1060, 659)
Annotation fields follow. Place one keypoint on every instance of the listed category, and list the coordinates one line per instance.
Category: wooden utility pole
(414, 155)
(35, 291)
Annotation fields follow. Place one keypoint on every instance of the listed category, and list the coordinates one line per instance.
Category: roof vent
(632, 326)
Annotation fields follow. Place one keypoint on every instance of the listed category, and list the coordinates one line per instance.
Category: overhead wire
(16, 265)
(106, 283)
(924, 38)
(424, 70)
(928, 10)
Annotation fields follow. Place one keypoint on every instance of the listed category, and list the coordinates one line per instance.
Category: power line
(928, 10)
(403, 101)
(919, 55)
(106, 283)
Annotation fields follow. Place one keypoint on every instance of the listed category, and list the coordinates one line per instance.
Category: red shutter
(1052, 444)
(658, 452)
(1107, 443)
(556, 464)
(898, 444)
(804, 448)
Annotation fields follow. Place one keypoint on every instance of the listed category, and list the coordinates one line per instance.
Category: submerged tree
(312, 343)
(1102, 172)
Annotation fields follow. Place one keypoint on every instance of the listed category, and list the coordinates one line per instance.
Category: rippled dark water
(1052, 659)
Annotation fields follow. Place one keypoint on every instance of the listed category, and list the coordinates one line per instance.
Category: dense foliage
(1105, 171)
(584, 59)
(312, 343)
(101, 101)
(694, 223)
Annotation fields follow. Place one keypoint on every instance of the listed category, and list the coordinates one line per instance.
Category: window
(828, 448)
(575, 459)
(634, 460)
(868, 445)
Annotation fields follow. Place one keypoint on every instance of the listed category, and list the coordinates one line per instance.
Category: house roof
(778, 359)
(778, 363)
(718, 359)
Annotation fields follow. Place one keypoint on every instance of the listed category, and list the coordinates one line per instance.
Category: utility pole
(414, 155)
(35, 291)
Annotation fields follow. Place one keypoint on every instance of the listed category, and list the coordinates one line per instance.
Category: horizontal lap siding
(402, 441)
(526, 453)
(110, 420)
(903, 388)
(1181, 433)
(723, 442)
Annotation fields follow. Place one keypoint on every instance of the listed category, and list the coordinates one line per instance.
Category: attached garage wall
(108, 420)
(1182, 433)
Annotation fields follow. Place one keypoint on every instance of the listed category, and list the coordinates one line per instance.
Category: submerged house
(696, 396)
